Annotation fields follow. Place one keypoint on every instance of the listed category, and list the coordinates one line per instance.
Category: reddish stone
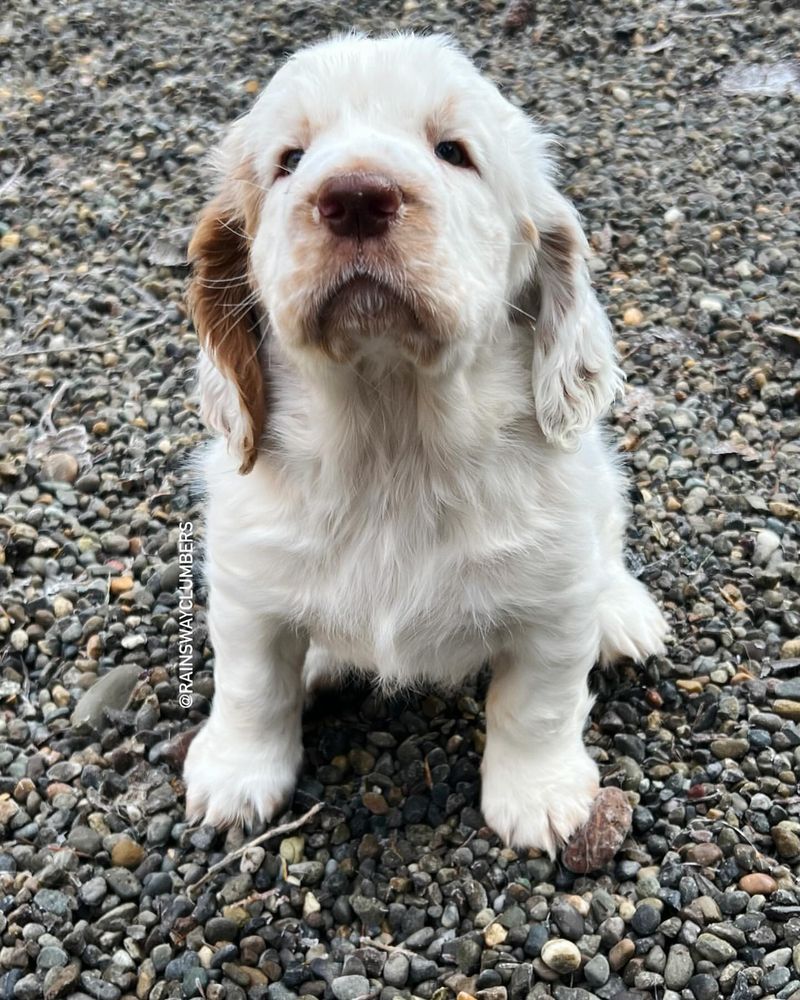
(758, 883)
(519, 14)
(596, 843)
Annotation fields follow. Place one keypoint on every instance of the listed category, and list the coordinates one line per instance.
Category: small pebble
(561, 956)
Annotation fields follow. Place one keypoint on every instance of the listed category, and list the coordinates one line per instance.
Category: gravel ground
(680, 132)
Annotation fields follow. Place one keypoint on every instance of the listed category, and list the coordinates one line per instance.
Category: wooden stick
(72, 348)
(277, 831)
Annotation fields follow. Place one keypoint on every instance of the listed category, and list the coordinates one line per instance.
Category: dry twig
(276, 831)
(391, 948)
(72, 348)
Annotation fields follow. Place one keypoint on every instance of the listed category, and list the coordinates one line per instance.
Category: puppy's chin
(367, 318)
(364, 306)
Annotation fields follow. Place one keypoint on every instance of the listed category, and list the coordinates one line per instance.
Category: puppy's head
(383, 201)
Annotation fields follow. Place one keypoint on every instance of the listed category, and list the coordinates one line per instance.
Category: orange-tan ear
(227, 317)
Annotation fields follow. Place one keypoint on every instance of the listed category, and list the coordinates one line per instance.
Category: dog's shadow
(395, 758)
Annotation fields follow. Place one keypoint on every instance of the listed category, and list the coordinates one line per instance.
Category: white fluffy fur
(416, 521)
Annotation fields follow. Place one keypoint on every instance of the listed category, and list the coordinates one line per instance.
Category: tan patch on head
(438, 126)
(225, 313)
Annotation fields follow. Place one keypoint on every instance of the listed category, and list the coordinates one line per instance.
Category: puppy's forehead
(402, 79)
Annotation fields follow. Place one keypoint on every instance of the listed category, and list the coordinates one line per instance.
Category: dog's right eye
(290, 160)
(454, 153)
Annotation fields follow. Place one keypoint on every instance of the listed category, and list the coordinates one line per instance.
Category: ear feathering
(227, 320)
(574, 376)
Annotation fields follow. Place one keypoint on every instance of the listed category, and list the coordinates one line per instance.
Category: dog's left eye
(453, 153)
(290, 160)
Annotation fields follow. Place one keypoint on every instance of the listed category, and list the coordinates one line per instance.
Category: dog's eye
(290, 160)
(453, 153)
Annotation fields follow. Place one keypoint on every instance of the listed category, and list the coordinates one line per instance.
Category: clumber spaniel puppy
(404, 360)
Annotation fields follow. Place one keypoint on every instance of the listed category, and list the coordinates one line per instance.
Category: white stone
(711, 304)
(19, 640)
(767, 542)
(561, 956)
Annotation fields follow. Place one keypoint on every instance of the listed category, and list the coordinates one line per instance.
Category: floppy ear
(575, 376)
(227, 318)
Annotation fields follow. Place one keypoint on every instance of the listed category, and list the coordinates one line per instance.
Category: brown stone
(758, 884)
(244, 976)
(786, 837)
(596, 843)
(58, 981)
(251, 948)
(376, 803)
(57, 788)
(729, 746)
(8, 809)
(94, 647)
(787, 709)
(23, 789)
(256, 976)
(174, 751)
(126, 853)
(621, 954)
(361, 761)
(519, 14)
(704, 854)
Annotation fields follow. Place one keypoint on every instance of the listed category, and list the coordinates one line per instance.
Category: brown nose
(359, 205)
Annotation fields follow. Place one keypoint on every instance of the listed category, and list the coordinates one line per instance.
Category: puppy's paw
(539, 799)
(232, 782)
(632, 625)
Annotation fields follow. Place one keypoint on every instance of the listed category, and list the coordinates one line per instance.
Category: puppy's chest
(421, 588)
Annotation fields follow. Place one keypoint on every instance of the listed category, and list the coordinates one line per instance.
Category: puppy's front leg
(243, 764)
(538, 779)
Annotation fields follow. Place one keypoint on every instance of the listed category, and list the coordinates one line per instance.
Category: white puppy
(405, 358)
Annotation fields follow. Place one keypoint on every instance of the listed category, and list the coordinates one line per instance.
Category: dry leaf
(737, 446)
(171, 250)
(72, 440)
